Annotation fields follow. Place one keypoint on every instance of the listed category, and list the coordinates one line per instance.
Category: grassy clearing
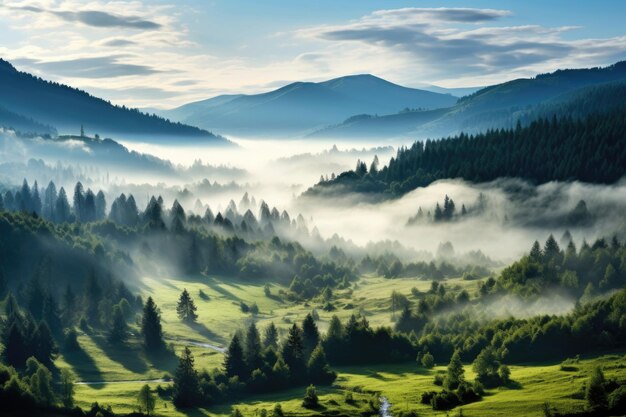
(220, 315)
(402, 384)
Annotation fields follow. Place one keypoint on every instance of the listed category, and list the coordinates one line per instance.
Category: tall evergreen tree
(186, 308)
(310, 335)
(186, 382)
(118, 333)
(293, 353)
(455, 374)
(270, 336)
(151, 326)
(234, 363)
(252, 349)
(61, 207)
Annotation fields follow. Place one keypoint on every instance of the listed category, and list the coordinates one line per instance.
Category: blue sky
(164, 53)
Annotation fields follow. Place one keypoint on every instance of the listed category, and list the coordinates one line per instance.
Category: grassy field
(122, 371)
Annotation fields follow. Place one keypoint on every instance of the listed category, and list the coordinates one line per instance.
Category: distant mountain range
(31, 104)
(303, 107)
(498, 106)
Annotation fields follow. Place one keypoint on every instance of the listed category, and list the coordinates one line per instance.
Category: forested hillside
(68, 109)
(590, 150)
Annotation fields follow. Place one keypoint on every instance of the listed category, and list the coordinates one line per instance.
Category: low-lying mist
(501, 218)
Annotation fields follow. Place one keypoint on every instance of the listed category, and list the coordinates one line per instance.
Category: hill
(68, 108)
(498, 106)
(589, 150)
(300, 107)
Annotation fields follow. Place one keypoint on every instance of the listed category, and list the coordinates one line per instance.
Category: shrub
(310, 398)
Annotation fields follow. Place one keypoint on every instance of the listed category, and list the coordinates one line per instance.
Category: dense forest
(589, 150)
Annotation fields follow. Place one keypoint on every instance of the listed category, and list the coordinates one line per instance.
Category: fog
(513, 213)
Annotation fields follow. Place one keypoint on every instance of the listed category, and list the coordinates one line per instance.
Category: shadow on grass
(163, 360)
(124, 354)
(84, 366)
(205, 332)
(214, 285)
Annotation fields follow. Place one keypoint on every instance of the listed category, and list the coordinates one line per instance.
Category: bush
(310, 398)
(428, 361)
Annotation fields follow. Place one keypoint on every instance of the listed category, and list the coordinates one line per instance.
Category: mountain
(301, 107)
(67, 108)
(106, 154)
(590, 149)
(458, 91)
(498, 106)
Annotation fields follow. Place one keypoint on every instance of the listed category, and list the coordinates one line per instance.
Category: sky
(164, 53)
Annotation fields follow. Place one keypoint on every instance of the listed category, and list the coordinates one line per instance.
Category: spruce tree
(455, 372)
(119, 328)
(292, 353)
(146, 400)
(310, 335)
(43, 344)
(186, 308)
(319, 370)
(186, 382)
(151, 326)
(252, 350)
(270, 337)
(234, 363)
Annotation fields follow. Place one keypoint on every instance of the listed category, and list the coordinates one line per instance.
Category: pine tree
(270, 337)
(252, 350)
(455, 372)
(186, 382)
(535, 252)
(151, 326)
(234, 363)
(310, 335)
(43, 344)
(186, 309)
(119, 328)
(319, 370)
(292, 353)
(146, 400)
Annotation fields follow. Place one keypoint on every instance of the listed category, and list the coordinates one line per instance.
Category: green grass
(220, 316)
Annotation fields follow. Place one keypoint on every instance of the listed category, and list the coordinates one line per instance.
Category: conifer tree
(252, 351)
(119, 328)
(151, 326)
(293, 353)
(234, 363)
(186, 308)
(455, 372)
(270, 337)
(310, 335)
(186, 382)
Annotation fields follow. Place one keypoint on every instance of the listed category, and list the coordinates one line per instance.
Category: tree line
(557, 149)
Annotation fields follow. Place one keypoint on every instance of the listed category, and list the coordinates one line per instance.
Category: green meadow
(112, 376)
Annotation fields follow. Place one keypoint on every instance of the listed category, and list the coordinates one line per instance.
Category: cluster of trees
(390, 266)
(33, 389)
(256, 364)
(53, 205)
(584, 273)
(588, 149)
(456, 390)
(447, 211)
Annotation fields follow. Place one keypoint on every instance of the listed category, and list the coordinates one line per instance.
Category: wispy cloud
(89, 67)
(439, 43)
(94, 18)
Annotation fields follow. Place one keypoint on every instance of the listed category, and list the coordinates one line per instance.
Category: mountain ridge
(302, 106)
(67, 108)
